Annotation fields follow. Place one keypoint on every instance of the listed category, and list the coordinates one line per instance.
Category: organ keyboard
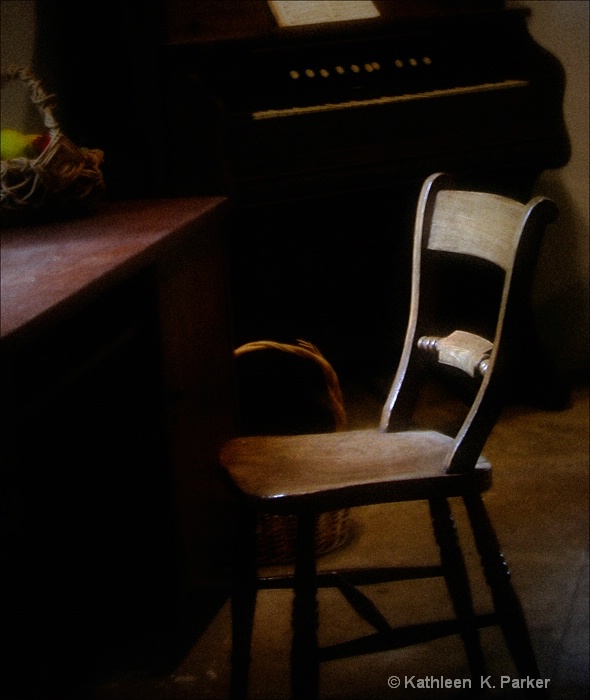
(390, 99)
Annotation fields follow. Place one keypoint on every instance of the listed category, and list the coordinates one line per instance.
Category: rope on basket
(61, 174)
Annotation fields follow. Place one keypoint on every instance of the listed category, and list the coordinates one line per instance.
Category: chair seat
(345, 469)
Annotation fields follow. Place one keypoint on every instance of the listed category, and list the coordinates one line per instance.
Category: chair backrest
(476, 252)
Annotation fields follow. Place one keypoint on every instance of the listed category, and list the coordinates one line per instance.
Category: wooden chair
(304, 475)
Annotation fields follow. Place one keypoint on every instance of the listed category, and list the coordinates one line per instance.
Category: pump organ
(426, 86)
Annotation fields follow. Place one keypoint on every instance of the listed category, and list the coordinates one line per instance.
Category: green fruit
(13, 144)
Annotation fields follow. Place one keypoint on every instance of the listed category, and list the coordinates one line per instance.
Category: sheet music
(292, 13)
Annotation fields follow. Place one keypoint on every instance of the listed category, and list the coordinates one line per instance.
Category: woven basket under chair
(276, 533)
(62, 179)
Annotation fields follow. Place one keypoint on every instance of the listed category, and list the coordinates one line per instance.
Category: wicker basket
(276, 533)
(62, 179)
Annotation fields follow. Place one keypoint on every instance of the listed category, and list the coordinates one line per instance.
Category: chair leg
(304, 649)
(506, 603)
(457, 581)
(243, 603)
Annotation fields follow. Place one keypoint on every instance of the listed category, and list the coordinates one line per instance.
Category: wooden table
(116, 393)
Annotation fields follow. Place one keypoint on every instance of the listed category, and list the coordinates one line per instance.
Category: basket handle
(309, 351)
(38, 96)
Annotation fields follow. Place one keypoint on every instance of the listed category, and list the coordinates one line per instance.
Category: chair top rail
(485, 225)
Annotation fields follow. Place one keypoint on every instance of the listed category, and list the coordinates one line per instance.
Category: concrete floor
(539, 504)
